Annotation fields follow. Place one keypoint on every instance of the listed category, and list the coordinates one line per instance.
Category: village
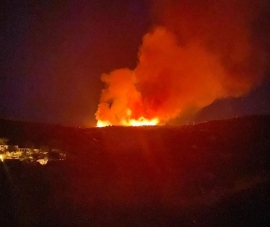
(30, 154)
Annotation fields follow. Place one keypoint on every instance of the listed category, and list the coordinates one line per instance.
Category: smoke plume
(197, 52)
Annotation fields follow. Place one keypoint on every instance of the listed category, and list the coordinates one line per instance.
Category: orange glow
(128, 121)
(131, 122)
(182, 69)
(140, 122)
(103, 123)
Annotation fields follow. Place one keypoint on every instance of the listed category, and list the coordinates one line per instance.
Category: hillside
(211, 174)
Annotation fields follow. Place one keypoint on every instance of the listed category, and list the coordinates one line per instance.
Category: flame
(141, 122)
(103, 123)
(129, 121)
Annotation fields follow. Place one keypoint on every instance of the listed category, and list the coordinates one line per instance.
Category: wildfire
(132, 122)
(103, 123)
(128, 121)
(182, 69)
(140, 122)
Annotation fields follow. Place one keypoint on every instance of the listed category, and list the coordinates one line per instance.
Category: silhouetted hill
(211, 174)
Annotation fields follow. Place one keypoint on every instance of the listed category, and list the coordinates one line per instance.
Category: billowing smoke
(198, 52)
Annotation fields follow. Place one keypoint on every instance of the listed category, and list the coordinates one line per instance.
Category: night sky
(53, 53)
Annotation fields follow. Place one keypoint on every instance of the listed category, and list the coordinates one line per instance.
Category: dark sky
(53, 53)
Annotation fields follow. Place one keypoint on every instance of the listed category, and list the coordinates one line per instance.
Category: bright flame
(140, 122)
(1, 158)
(103, 123)
(129, 121)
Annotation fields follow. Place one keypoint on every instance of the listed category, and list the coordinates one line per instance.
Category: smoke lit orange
(195, 58)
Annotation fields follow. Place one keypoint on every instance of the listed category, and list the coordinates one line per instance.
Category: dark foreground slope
(212, 174)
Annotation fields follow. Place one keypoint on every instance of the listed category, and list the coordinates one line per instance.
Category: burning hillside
(196, 54)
